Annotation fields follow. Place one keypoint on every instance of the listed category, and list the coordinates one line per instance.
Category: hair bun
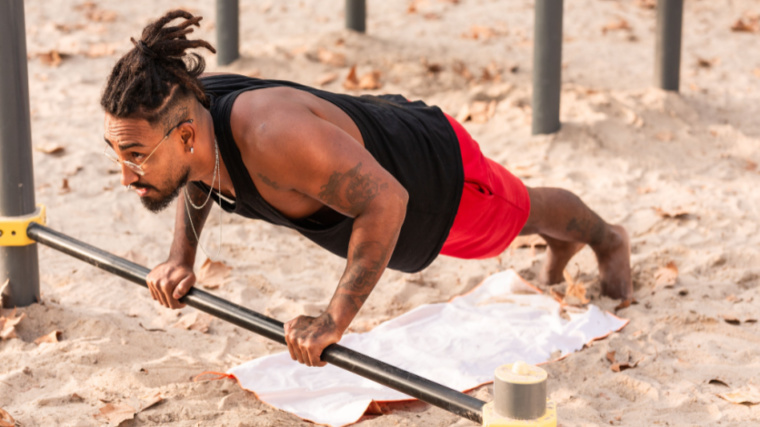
(143, 48)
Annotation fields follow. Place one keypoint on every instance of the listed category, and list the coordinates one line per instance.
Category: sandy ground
(677, 170)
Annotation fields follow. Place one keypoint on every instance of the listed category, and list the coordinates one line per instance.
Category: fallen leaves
(195, 321)
(52, 58)
(8, 325)
(368, 81)
(326, 79)
(664, 136)
(212, 274)
(480, 32)
(621, 366)
(646, 4)
(747, 24)
(667, 276)
(477, 112)
(676, 213)
(117, 413)
(748, 395)
(734, 320)
(50, 148)
(6, 420)
(575, 294)
(619, 24)
(331, 58)
(50, 338)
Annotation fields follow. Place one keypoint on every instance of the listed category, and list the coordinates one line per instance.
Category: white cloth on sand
(457, 344)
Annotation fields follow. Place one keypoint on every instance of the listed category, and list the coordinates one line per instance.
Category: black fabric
(411, 140)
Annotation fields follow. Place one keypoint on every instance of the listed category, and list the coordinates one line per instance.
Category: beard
(166, 197)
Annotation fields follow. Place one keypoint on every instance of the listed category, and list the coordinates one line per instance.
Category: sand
(676, 169)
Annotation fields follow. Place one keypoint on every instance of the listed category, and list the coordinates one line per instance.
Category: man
(381, 181)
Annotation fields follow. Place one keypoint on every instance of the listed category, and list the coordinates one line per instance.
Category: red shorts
(494, 205)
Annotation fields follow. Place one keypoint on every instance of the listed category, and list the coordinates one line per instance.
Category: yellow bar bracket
(13, 228)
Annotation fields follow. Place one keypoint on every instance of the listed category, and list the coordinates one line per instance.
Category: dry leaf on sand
(676, 213)
(717, 381)
(49, 338)
(194, 322)
(212, 274)
(575, 294)
(6, 420)
(115, 414)
(621, 366)
(8, 325)
(667, 276)
(52, 58)
(352, 81)
(749, 395)
(731, 319)
(616, 25)
(477, 112)
(326, 79)
(49, 148)
(367, 81)
(370, 81)
(747, 25)
(331, 58)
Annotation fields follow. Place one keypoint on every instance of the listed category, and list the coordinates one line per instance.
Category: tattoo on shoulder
(351, 191)
(266, 180)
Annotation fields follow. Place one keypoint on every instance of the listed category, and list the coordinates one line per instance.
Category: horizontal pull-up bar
(428, 391)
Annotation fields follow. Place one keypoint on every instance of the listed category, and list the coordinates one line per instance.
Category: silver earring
(128, 187)
(192, 150)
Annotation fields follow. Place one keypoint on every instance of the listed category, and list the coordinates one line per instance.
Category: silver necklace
(217, 173)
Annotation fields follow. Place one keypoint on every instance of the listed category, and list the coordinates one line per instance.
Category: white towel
(457, 344)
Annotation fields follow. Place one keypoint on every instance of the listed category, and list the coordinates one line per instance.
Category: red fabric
(494, 205)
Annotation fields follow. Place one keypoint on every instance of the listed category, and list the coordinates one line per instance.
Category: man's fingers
(183, 287)
(289, 339)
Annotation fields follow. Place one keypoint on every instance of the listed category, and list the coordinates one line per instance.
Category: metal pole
(547, 65)
(356, 15)
(375, 370)
(667, 57)
(227, 31)
(18, 264)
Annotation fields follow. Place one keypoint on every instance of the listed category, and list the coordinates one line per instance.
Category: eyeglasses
(134, 167)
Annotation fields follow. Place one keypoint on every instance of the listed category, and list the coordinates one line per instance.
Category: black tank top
(412, 141)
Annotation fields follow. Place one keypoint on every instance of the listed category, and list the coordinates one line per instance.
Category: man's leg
(567, 224)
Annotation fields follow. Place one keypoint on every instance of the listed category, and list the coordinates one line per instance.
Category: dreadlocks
(157, 74)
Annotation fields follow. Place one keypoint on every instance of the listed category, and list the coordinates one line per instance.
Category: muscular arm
(302, 152)
(169, 281)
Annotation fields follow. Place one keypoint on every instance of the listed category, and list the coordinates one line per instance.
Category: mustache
(145, 186)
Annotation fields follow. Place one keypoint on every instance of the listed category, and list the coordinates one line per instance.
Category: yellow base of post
(492, 419)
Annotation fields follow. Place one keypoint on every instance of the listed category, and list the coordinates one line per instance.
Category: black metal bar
(667, 57)
(547, 66)
(356, 15)
(18, 264)
(227, 31)
(350, 360)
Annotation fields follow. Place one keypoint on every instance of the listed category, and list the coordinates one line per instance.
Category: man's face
(157, 154)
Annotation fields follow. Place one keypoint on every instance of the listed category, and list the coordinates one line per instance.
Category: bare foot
(614, 257)
(558, 254)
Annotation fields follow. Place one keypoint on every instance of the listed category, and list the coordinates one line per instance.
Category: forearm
(188, 224)
(373, 239)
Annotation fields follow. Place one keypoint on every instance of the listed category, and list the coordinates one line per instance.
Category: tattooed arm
(171, 280)
(302, 154)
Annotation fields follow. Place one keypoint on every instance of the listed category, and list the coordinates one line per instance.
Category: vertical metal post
(547, 65)
(18, 264)
(667, 57)
(227, 31)
(356, 15)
